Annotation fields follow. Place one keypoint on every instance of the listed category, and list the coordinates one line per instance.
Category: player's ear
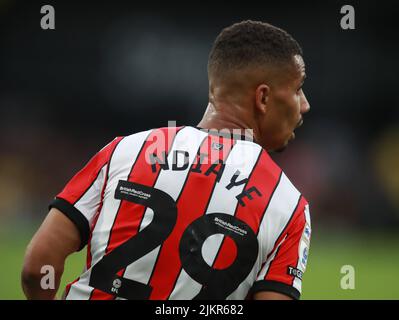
(262, 97)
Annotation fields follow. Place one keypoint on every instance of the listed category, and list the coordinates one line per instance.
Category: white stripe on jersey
(304, 243)
(307, 215)
(223, 201)
(297, 283)
(124, 156)
(89, 202)
(141, 269)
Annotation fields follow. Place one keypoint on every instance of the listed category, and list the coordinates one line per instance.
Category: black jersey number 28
(217, 283)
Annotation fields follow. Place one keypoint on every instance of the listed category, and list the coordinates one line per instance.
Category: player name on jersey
(216, 168)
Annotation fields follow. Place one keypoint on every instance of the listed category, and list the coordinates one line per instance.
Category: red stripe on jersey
(82, 181)
(265, 177)
(130, 215)
(192, 203)
(288, 252)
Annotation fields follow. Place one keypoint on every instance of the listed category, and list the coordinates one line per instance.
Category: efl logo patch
(304, 256)
(307, 232)
(217, 146)
(295, 272)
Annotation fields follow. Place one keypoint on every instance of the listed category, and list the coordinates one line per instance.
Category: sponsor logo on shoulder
(305, 254)
(134, 192)
(295, 272)
(307, 233)
(229, 226)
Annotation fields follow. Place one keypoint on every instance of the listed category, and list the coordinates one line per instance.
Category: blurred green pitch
(375, 258)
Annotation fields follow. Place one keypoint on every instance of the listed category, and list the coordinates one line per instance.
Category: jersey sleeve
(81, 197)
(285, 266)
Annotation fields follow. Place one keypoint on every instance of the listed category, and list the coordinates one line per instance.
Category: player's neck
(217, 120)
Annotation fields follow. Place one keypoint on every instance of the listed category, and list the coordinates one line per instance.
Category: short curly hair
(248, 43)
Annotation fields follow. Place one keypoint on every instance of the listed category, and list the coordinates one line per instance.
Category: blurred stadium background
(114, 68)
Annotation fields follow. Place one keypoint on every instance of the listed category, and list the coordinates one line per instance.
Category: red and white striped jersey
(183, 213)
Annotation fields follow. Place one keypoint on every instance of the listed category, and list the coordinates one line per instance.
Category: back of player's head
(250, 43)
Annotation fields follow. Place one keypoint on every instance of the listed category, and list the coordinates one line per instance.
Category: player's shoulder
(138, 134)
(160, 137)
(286, 188)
